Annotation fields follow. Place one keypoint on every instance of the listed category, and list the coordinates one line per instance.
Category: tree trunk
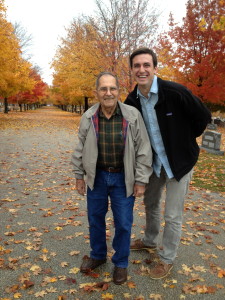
(85, 103)
(6, 109)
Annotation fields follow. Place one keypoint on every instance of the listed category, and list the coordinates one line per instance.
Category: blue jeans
(110, 185)
(173, 214)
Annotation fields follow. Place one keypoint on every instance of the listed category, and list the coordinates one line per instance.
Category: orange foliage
(38, 92)
(197, 49)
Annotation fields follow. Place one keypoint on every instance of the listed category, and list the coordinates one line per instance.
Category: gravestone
(219, 121)
(211, 142)
(212, 126)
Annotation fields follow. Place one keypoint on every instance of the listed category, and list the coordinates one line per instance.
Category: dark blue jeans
(110, 185)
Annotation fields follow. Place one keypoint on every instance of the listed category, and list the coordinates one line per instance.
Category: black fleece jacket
(182, 117)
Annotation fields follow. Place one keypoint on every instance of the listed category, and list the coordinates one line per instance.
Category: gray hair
(108, 74)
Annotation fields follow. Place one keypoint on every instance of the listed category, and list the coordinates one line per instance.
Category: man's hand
(139, 190)
(81, 186)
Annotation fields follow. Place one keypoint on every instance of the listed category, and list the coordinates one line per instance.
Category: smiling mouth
(142, 76)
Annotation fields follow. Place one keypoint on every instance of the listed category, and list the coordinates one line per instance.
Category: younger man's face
(143, 70)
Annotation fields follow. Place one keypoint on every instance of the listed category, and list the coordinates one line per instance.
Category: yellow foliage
(81, 58)
(2, 8)
(219, 24)
(202, 24)
(77, 63)
(14, 75)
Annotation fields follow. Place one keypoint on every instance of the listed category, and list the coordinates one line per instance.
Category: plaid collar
(117, 111)
(95, 120)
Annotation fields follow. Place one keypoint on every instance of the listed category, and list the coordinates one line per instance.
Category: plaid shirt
(110, 140)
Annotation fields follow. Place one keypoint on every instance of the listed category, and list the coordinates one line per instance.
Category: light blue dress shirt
(151, 122)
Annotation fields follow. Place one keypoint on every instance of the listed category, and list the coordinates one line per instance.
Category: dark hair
(144, 51)
(106, 73)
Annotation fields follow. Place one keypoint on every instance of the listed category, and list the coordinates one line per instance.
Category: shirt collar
(153, 90)
(117, 111)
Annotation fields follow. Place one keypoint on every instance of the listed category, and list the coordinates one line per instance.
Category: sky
(46, 21)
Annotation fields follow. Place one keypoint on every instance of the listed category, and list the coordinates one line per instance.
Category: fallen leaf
(155, 296)
(17, 295)
(40, 294)
(51, 290)
(27, 284)
(127, 296)
(58, 228)
(221, 273)
(103, 286)
(131, 285)
(72, 253)
(70, 281)
(135, 262)
(220, 247)
(107, 296)
(64, 264)
(74, 270)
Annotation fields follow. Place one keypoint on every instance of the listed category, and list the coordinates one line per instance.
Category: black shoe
(119, 275)
(90, 264)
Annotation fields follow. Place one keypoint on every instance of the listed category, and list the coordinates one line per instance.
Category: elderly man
(114, 154)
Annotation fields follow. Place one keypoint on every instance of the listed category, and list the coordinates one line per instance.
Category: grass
(209, 172)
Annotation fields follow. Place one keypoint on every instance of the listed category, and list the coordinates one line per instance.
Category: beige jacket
(137, 154)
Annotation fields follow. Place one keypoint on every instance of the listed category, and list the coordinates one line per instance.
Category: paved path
(44, 230)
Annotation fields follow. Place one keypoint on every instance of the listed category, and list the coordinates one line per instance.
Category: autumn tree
(77, 62)
(197, 50)
(14, 75)
(34, 97)
(102, 43)
(123, 26)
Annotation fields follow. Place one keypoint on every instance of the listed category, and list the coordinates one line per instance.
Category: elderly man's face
(107, 92)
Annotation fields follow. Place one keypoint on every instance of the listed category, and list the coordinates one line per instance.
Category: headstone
(212, 126)
(219, 121)
(211, 142)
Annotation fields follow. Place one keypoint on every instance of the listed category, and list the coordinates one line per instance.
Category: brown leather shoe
(139, 245)
(90, 264)
(160, 270)
(119, 275)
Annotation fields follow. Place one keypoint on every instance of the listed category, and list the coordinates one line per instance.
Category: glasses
(105, 89)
